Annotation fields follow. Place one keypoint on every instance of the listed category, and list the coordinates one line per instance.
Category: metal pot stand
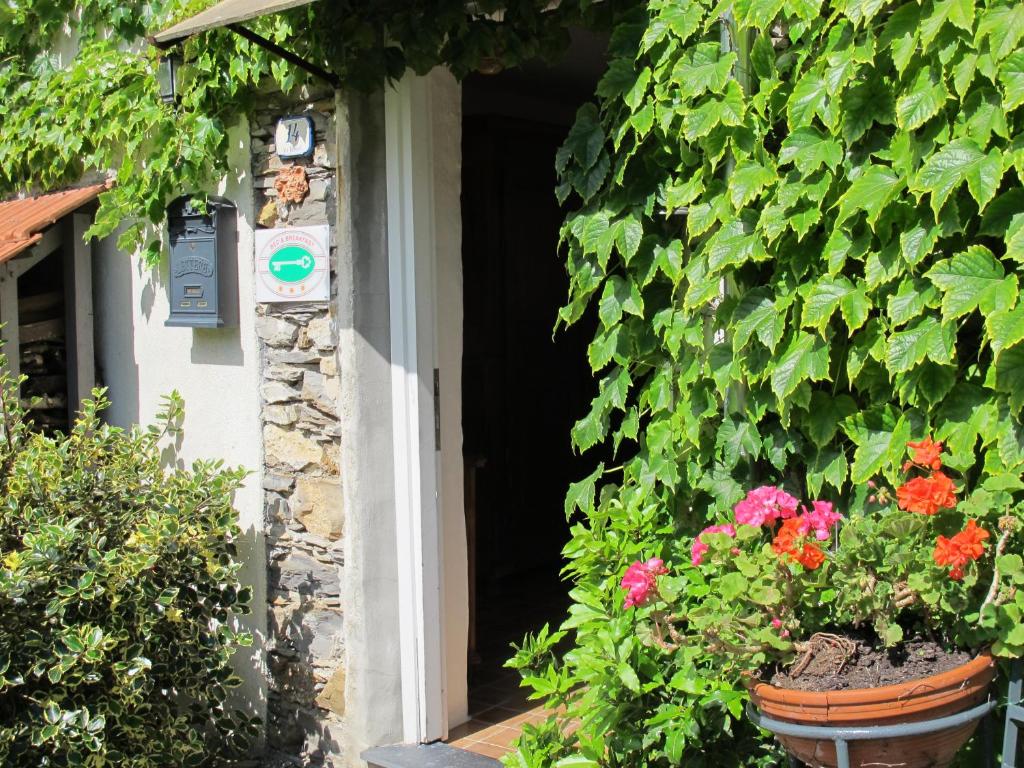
(842, 736)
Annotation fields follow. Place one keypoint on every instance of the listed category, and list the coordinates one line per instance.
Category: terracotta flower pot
(925, 699)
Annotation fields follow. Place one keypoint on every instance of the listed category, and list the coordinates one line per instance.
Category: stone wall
(301, 447)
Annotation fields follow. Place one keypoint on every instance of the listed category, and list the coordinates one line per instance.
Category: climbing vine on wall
(802, 227)
(80, 94)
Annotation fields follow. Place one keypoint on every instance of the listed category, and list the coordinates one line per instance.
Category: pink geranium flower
(699, 547)
(765, 505)
(821, 519)
(641, 581)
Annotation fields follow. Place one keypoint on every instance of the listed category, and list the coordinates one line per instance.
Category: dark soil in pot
(870, 666)
(933, 685)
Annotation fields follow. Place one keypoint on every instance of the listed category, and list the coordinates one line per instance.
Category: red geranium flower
(958, 551)
(790, 544)
(927, 453)
(810, 557)
(927, 495)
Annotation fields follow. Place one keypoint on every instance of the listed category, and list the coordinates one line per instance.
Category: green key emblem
(291, 264)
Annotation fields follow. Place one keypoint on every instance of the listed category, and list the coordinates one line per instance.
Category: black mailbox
(203, 292)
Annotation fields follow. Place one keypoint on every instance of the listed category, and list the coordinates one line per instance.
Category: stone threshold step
(437, 755)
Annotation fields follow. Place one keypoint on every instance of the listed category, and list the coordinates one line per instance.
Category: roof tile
(22, 221)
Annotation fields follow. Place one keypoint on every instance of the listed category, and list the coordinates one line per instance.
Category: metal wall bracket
(329, 77)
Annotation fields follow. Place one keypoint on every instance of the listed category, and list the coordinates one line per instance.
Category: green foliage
(80, 93)
(880, 572)
(118, 596)
(805, 249)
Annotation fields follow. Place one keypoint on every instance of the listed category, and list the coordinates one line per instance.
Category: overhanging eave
(223, 14)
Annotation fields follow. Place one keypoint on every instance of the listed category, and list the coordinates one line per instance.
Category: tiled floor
(497, 714)
(498, 705)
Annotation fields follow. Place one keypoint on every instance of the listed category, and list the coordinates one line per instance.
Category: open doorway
(522, 389)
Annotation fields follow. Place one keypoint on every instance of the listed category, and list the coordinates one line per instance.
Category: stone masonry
(301, 447)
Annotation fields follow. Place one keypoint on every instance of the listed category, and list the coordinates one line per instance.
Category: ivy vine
(802, 227)
(81, 97)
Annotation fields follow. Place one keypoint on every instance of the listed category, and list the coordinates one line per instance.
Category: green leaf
(581, 494)
(576, 761)
(805, 357)
(825, 414)
(900, 35)
(917, 242)
(1009, 375)
(1010, 565)
(926, 338)
(972, 280)
(733, 245)
(870, 192)
(823, 298)
(864, 104)
(756, 314)
(737, 440)
(963, 73)
(747, 181)
(912, 297)
(959, 161)
(628, 242)
(893, 635)
(827, 466)
(931, 381)
(629, 677)
(705, 69)
(1004, 26)
(855, 308)
(1015, 239)
(732, 585)
(809, 98)
(881, 440)
(1011, 79)
(958, 12)
(619, 78)
(715, 111)
(758, 13)
(619, 296)
(808, 149)
(923, 101)
(634, 97)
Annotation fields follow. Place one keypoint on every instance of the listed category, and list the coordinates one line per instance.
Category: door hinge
(437, 409)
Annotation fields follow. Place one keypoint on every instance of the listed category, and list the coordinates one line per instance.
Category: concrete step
(436, 755)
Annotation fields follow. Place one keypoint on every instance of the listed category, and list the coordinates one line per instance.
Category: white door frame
(411, 262)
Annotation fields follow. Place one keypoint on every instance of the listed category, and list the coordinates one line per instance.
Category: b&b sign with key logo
(292, 264)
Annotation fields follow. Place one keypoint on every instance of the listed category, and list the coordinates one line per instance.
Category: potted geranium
(886, 613)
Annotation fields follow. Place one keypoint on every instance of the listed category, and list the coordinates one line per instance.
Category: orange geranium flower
(971, 540)
(927, 453)
(927, 495)
(785, 539)
(791, 545)
(810, 556)
(958, 551)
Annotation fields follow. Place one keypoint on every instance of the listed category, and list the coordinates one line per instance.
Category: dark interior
(42, 348)
(523, 388)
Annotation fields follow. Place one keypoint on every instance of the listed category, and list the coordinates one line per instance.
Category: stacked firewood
(43, 356)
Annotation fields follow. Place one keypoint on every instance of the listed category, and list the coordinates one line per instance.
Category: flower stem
(993, 591)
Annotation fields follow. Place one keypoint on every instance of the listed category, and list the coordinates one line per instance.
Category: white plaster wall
(446, 116)
(139, 359)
